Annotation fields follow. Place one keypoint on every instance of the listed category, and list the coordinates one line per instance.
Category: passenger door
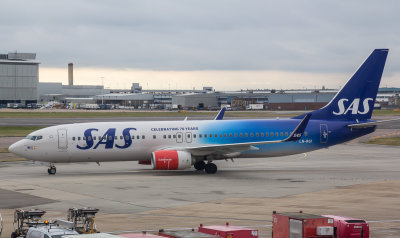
(62, 139)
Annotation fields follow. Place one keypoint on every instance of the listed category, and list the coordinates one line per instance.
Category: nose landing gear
(52, 169)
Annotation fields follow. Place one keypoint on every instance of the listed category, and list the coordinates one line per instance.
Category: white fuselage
(135, 141)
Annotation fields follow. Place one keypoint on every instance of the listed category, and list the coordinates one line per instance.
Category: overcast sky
(246, 44)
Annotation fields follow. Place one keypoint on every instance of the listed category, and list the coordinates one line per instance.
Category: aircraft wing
(370, 124)
(239, 147)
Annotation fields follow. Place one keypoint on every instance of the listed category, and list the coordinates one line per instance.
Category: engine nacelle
(171, 160)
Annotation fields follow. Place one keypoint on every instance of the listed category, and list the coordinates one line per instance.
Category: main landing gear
(52, 169)
(210, 167)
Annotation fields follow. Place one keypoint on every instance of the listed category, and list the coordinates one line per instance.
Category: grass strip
(95, 114)
(183, 113)
(12, 159)
(395, 141)
(13, 131)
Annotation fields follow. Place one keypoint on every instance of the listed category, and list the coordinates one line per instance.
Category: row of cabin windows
(257, 134)
(262, 134)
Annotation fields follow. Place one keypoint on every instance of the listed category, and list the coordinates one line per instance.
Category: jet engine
(171, 160)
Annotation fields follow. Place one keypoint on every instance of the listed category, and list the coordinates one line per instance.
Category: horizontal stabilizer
(371, 124)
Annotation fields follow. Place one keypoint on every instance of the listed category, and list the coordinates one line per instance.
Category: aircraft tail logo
(355, 101)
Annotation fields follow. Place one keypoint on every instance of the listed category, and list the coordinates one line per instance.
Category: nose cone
(15, 148)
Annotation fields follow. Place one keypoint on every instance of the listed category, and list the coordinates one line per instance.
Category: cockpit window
(29, 137)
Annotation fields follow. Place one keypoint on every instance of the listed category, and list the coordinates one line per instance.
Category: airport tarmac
(353, 179)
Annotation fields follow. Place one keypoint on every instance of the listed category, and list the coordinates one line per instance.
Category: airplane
(178, 145)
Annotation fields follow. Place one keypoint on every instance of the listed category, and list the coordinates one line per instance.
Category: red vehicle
(229, 231)
(347, 227)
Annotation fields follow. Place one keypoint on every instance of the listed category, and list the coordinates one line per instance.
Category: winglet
(220, 114)
(298, 132)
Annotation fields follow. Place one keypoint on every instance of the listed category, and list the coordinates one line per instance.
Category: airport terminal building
(20, 87)
(19, 78)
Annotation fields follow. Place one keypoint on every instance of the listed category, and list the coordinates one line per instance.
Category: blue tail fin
(355, 101)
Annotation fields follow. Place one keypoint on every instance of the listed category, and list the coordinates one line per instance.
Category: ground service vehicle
(49, 231)
(24, 219)
(347, 227)
(83, 219)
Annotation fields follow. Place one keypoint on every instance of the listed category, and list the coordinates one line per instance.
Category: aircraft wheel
(199, 165)
(210, 168)
(52, 170)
